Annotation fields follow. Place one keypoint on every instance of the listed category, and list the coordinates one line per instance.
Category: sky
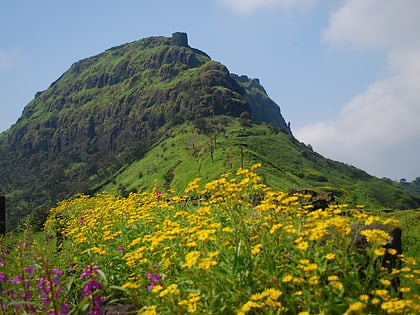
(345, 73)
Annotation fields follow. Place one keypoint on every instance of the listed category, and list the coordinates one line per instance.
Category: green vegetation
(412, 187)
(150, 112)
(228, 246)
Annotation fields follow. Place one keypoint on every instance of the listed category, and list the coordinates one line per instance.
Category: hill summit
(110, 111)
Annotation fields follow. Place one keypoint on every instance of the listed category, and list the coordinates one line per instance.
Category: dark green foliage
(412, 187)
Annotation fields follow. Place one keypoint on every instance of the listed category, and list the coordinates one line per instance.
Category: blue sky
(345, 73)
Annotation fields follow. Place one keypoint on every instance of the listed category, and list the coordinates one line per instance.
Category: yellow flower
(248, 306)
(191, 302)
(385, 282)
(191, 259)
(405, 269)
(130, 285)
(98, 251)
(227, 229)
(411, 261)
(149, 310)
(310, 267)
(271, 293)
(256, 249)
(364, 298)
(287, 278)
(376, 236)
(396, 306)
(337, 285)
(379, 251)
(206, 263)
(381, 293)
(392, 251)
(170, 289)
(157, 288)
(275, 227)
(330, 256)
(405, 290)
(375, 301)
(193, 186)
(314, 280)
(355, 308)
(302, 245)
(332, 278)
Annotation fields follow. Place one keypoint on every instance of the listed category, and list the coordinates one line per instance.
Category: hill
(158, 111)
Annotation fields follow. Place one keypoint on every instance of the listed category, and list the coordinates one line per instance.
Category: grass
(287, 164)
(226, 246)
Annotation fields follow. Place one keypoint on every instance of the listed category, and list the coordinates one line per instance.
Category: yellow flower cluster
(191, 302)
(266, 299)
(224, 243)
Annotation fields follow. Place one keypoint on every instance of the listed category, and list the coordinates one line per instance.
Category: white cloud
(249, 6)
(379, 129)
(375, 24)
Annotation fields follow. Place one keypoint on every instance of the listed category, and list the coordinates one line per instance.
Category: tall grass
(229, 246)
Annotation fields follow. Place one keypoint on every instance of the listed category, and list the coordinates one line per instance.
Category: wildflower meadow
(228, 246)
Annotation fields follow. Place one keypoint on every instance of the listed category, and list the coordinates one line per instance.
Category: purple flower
(91, 286)
(120, 249)
(56, 280)
(26, 296)
(57, 272)
(64, 308)
(30, 308)
(6, 251)
(16, 279)
(40, 283)
(85, 273)
(3, 277)
(81, 220)
(154, 277)
(29, 270)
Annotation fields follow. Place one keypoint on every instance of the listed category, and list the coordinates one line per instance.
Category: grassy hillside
(223, 144)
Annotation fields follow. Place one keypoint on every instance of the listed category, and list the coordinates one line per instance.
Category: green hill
(185, 153)
(158, 112)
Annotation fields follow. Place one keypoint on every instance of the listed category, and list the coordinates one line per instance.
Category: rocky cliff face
(109, 109)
